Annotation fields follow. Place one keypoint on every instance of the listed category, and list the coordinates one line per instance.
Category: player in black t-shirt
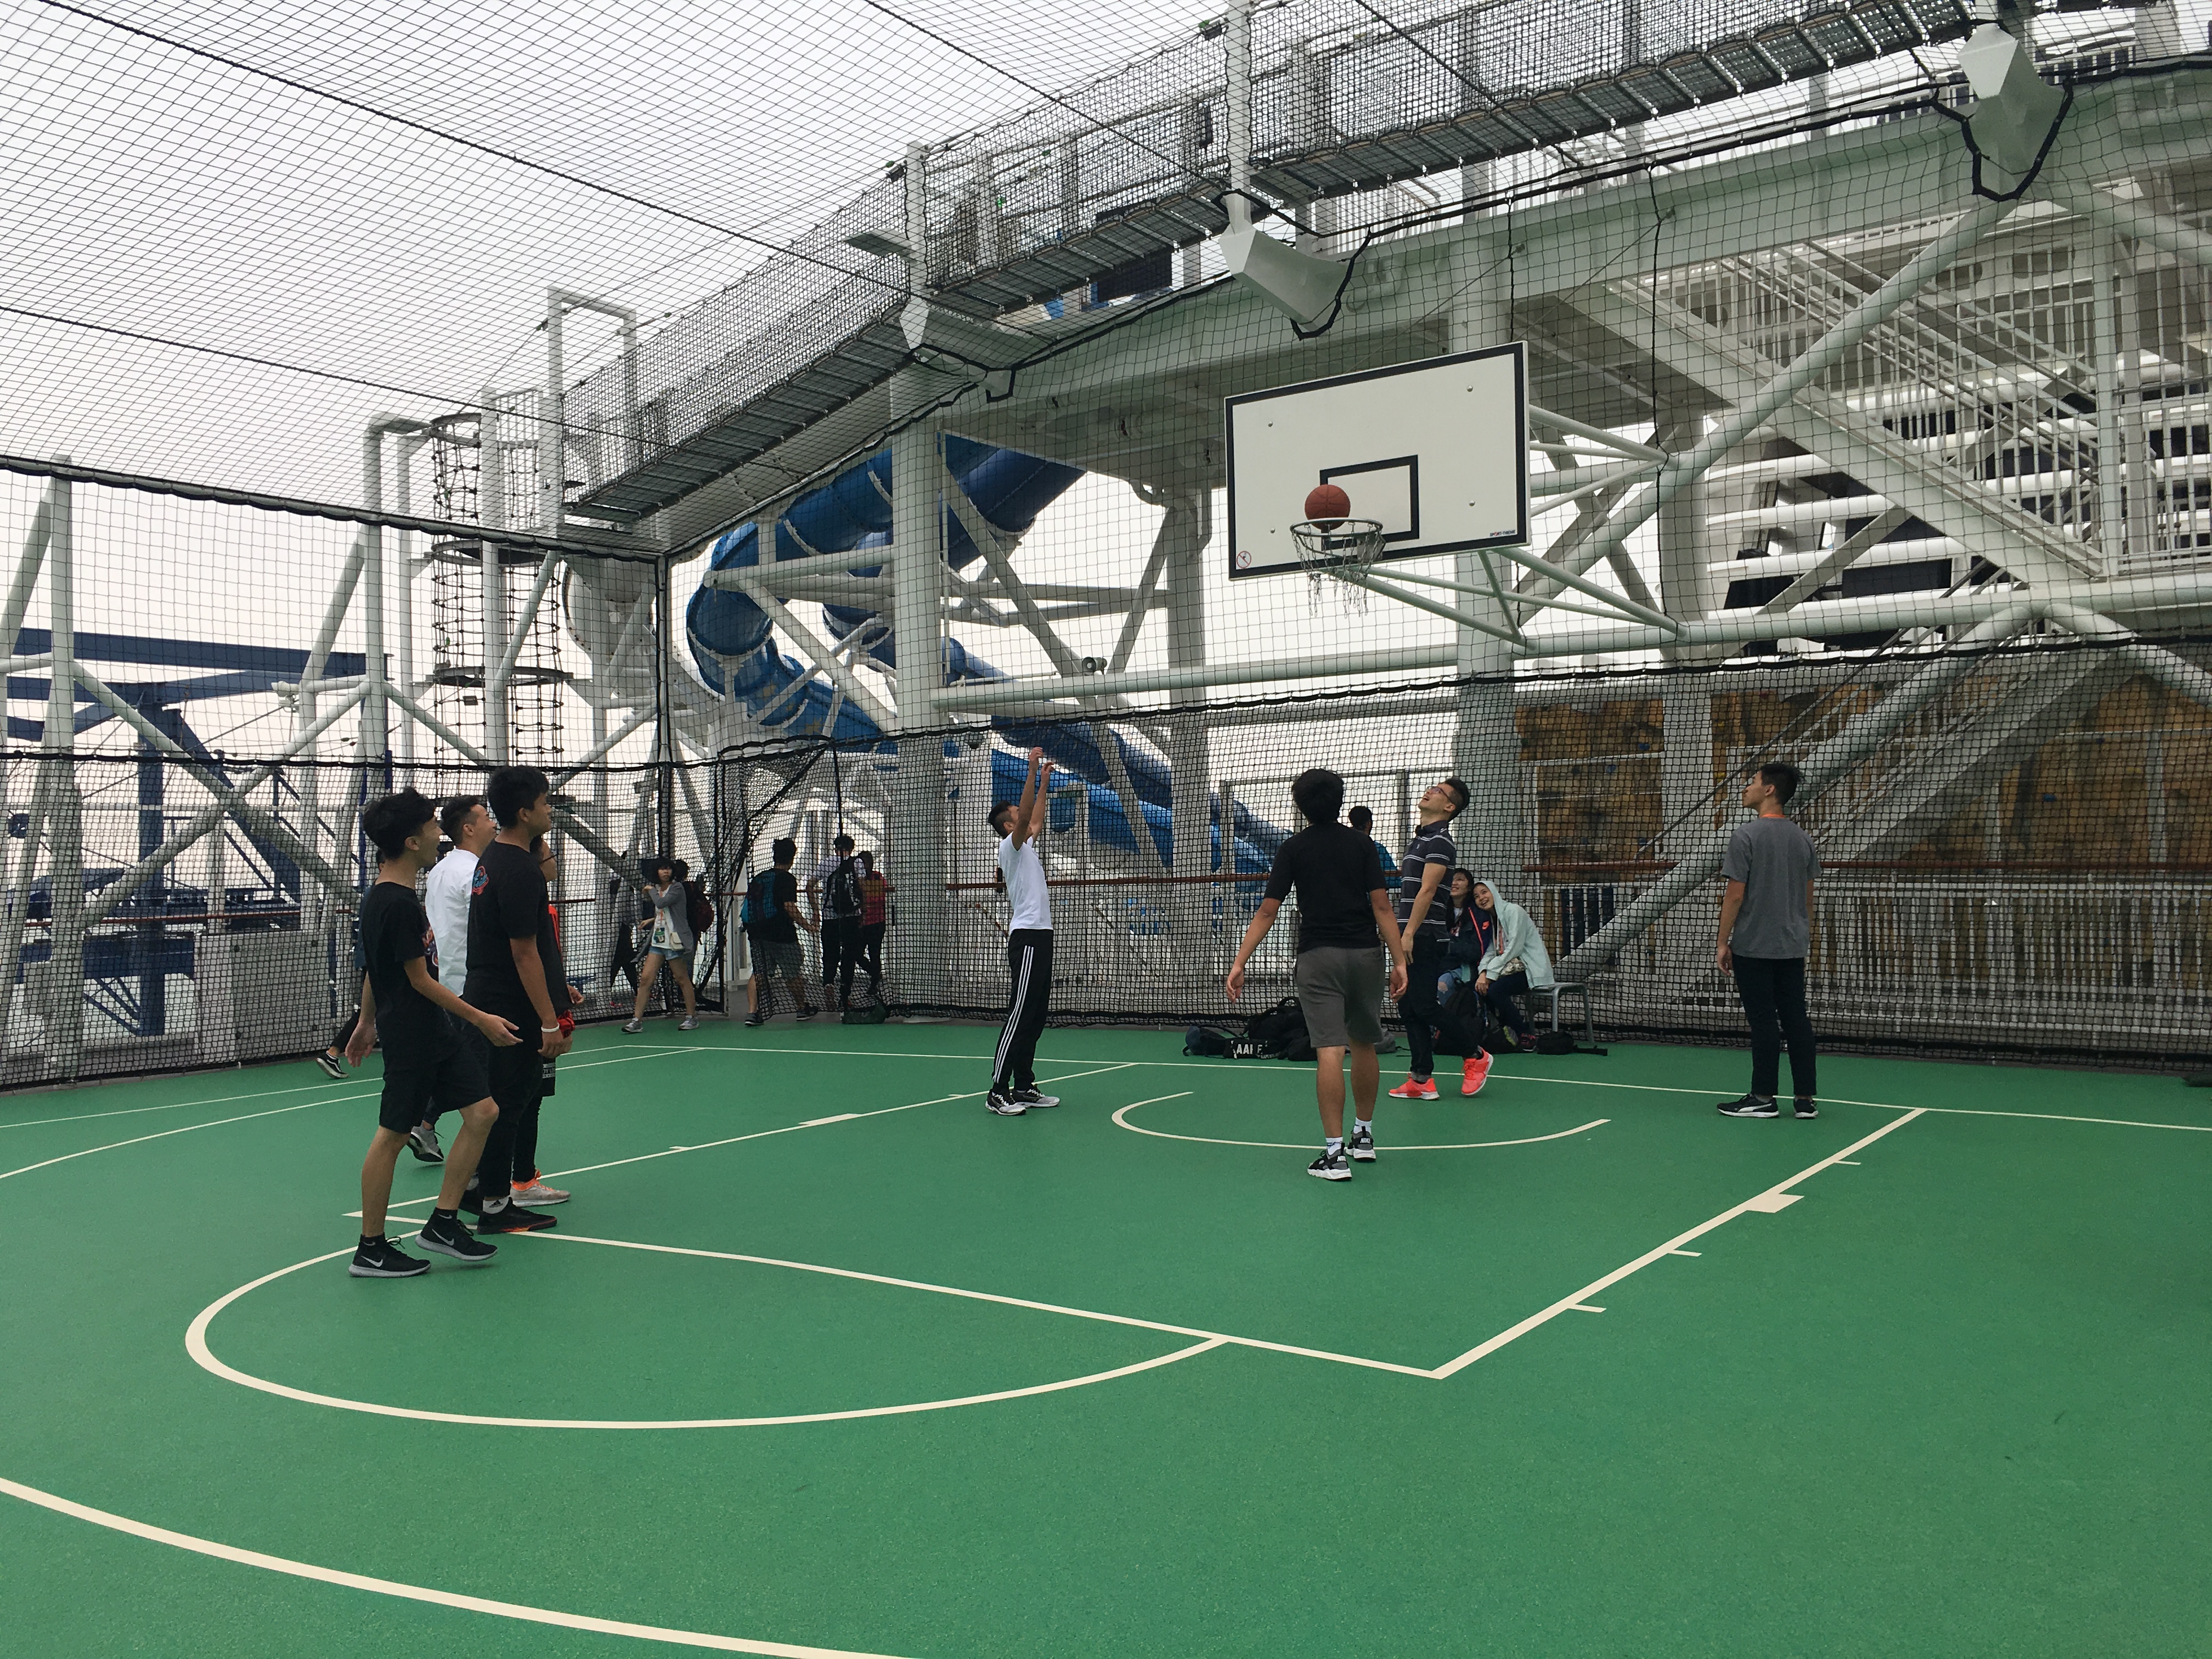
(425, 1060)
(514, 971)
(1344, 920)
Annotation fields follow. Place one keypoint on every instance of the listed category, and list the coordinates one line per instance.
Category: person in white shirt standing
(1029, 944)
(467, 824)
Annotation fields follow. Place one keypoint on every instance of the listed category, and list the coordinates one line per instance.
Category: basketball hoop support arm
(1296, 284)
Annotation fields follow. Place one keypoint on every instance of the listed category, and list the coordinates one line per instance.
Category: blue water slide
(1109, 825)
(732, 644)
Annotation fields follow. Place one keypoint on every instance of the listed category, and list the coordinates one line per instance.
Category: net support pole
(491, 514)
(922, 938)
(65, 838)
(1824, 766)
(1186, 530)
(1485, 748)
(375, 711)
(1238, 45)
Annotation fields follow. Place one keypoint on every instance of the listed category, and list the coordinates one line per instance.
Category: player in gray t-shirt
(1766, 932)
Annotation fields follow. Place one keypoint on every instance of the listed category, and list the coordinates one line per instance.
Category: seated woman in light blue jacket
(1513, 958)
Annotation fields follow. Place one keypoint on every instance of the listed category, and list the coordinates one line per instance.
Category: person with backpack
(875, 917)
(769, 916)
(1344, 912)
(664, 910)
(833, 894)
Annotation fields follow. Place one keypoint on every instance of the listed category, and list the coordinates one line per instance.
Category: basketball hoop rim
(1338, 541)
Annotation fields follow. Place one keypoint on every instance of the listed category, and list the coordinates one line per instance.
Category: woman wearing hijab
(1511, 958)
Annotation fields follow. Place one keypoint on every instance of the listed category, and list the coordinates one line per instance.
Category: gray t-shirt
(1773, 859)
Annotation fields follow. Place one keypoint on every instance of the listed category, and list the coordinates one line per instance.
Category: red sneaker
(1474, 1074)
(1415, 1089)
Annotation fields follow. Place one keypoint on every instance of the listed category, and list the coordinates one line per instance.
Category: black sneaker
(1749, 1106)
(1806, 1107)
(756, 1019)
(1031, 1096)
(1330, 1166)
(511, 1218)
(805, 1013)
(380, 1258)
(331, 1069)
(423, 1141)
(450, 1238)
(1003, 1105)
(1362, 1144)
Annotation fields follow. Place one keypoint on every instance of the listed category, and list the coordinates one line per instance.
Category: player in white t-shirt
(1028, 943)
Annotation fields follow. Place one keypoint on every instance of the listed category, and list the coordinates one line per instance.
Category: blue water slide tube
(730, 642)
(1109, 826)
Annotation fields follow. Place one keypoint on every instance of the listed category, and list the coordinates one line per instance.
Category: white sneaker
(634, 1026)
(690, 1023)
(538, 1195)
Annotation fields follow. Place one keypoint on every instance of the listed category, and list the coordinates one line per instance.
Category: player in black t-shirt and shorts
(514, 969)
(426, 1062)
(1343, 915)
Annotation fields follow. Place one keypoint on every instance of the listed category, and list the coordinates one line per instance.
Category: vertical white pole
(66, 862)
(1189, 758)
(918, 828)
(552, 412)
(491, 513)
(1240, 114)
(2111, 447)
(375, 719)
(1485, 742)
(405, 615)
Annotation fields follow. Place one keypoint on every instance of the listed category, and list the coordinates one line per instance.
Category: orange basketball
(1328, 506)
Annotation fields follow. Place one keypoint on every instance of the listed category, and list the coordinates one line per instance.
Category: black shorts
(516, 1074)
(412, 1093)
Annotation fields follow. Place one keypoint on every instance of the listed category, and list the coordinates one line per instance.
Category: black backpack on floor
(1280, 1032)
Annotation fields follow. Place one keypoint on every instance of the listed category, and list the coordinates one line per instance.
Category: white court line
(1759, 1201)
(216, 1123)
(1524, 1077)
(762, 1134)
(279, 1111)
(196, 1345)
(1307, 1145)
(268, 1094)
(682, 1638)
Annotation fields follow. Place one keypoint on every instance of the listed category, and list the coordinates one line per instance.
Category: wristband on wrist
(549, 1030)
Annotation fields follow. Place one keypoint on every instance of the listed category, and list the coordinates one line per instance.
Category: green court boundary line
(208, 1547)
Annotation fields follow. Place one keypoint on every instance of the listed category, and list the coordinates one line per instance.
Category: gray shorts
(1341, 993)
(778, 958)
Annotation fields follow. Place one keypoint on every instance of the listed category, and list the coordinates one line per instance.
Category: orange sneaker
(1415, 1088)
(1474, 1074)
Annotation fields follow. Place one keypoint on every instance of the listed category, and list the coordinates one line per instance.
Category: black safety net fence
(2016, 843)
(772, 424)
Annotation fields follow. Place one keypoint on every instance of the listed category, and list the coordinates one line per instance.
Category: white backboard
(1436, 451)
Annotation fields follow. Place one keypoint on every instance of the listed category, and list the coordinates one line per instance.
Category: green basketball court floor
(823, 1359)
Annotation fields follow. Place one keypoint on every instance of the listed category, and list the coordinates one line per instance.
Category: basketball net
(1334, 552)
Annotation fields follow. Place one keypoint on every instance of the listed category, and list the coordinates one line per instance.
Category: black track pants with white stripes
(1028, 965)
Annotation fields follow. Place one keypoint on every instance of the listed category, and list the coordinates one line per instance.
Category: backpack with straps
(701, 912)
(1280, 1032)
(844, 896)
(759, 903)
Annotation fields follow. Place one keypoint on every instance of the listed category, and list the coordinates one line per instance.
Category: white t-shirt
(446, 900)
(1025, 874)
